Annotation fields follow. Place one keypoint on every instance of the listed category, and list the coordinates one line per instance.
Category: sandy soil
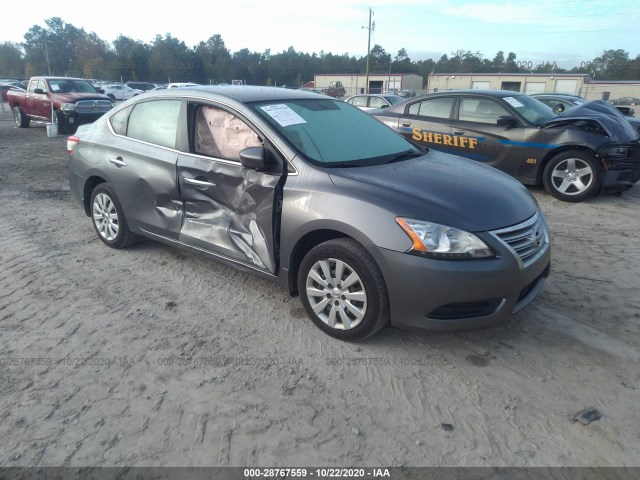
(152, 356)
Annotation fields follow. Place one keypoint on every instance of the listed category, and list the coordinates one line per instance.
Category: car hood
(73, 97)
(444, 189)
(606, 115)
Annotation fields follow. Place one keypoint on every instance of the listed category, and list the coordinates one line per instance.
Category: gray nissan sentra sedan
(314, 193)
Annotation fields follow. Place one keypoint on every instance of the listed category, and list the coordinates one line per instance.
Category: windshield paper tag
(513, 102)
(283, 115)
(54, 87)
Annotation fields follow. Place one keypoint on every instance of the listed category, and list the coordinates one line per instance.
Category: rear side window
(155, 122)
(119, 121)
(359, 101)
(434, 107)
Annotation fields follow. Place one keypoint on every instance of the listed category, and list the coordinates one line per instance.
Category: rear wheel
(573, 176)
(342, 290)
(20, 118)
(108, 218)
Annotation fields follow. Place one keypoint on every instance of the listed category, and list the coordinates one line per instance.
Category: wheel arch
(89, 185)
(302, 247)
(564, 148)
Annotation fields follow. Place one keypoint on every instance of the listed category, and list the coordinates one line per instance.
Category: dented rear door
(228, 209)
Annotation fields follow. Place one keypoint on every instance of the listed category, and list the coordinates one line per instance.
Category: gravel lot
(154, 356)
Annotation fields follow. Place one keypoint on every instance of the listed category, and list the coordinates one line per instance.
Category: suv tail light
(71, 143)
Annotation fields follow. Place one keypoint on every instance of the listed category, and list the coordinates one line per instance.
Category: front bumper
(72, 118)
(458, 295)
(622, 166)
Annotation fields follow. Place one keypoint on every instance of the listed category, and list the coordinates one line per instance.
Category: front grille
(526, 239)
(456, 311)
(93, 106)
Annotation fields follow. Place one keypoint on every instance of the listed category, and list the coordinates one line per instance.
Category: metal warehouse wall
(535, 83)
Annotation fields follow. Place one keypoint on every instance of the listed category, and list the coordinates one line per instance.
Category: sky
(566, 32)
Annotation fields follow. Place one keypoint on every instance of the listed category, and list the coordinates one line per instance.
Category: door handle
(199, 183)
(459, 132)
(118, 162)
(406, 124)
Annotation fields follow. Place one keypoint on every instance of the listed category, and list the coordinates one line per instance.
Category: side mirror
(100, 90)
(253, 158)
(38, 91)
(384, 105)
(507, 120)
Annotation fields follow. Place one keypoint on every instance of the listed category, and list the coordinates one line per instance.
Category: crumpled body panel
(234, 217)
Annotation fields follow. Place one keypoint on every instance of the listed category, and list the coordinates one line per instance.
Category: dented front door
(228, 209)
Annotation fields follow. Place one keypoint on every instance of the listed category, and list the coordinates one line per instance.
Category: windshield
(66, 86)
(334, 133)
(531, 109)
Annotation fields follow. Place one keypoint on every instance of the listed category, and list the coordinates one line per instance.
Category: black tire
(108, 218)
(60, 121)
(22, 121)
(573, 176)
(340, 300)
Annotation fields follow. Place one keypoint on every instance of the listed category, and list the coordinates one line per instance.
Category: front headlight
(67, 107)
(441, 241)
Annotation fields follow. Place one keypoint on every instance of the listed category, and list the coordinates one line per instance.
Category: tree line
(60, 48)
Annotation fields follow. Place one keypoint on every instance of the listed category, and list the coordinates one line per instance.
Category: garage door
(566, 86)
(534, 87)
(480, 85)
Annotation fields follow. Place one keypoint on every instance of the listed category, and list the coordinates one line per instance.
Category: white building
(378, 83)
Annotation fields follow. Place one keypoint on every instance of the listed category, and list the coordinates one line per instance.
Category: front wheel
(108, 218)
(22, 121)
(59, 120)
(573, 176)
(342, 290)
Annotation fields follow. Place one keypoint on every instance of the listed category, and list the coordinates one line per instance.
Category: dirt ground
(153, 356)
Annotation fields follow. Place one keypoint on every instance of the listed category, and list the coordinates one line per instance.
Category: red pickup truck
(73, 101)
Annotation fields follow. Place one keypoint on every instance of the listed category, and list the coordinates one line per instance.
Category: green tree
(380, 60)
(612, 64)
(12, 62)
(52, 49)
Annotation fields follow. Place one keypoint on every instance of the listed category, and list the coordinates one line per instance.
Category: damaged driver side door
(228, 208)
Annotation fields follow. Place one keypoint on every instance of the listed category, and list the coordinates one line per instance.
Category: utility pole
(370, 29)
(46, 53)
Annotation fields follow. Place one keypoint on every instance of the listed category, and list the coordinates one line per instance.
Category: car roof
(558, 95)
(489, 93)
(239, 93)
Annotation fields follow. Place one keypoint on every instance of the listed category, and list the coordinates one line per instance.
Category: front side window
(155, 122)
(433, 107)
(480, 110)
(221, 134)
(332, 133)
(377, 102)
